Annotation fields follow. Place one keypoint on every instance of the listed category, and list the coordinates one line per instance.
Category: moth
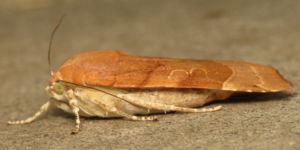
(113, 84)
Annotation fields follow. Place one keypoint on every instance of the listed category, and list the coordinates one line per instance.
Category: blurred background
(265, 32)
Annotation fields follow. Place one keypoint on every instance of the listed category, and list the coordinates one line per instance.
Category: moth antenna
(51, 42)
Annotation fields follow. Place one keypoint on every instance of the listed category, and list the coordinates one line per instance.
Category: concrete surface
(259, 31)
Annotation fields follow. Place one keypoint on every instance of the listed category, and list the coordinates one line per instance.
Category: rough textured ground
(259, 31)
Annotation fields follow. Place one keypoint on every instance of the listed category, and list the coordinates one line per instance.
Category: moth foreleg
(164, 107)
(75, 109)
(115, 110)
(29, 120)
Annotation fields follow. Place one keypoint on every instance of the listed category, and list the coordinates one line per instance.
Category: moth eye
(58, 88)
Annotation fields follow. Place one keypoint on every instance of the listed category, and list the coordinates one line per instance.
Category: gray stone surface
(259, 31)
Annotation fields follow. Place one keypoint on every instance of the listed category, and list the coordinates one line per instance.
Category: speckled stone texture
(265, 32)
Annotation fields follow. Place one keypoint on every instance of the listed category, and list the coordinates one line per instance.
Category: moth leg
(165, 108)
(75, 109)
(62, 105)
(116, 111)
(30, 119)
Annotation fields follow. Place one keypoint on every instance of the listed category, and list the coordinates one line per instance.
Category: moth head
(56, 89)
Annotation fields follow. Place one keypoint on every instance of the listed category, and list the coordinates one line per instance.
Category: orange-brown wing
(115, 69)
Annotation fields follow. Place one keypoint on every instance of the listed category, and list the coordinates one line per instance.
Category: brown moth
(113, 84)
